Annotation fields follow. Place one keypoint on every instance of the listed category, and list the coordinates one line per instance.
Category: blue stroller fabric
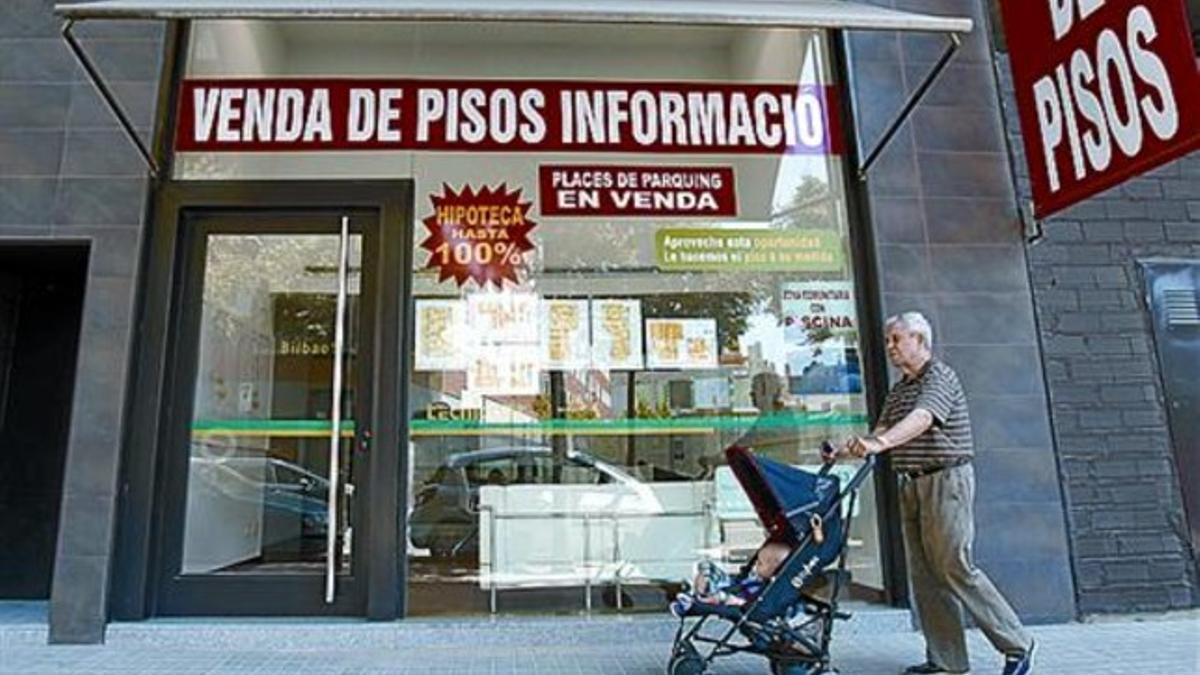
(791, 621)
(797, 508)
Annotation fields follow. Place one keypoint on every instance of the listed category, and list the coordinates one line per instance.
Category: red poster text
(480, 235)
(1106, 90)
(257, 115)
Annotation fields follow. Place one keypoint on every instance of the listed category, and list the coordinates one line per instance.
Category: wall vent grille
(1182, 307)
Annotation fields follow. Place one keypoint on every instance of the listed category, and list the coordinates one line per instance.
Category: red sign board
(482, 235)
(605, 190)
(257, 115)
(1106, 90)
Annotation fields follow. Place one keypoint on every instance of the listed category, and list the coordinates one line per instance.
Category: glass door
(269, 456)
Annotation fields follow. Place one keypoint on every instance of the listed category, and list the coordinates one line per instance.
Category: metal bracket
(114, 106)
(952, 46)
(1031, 226)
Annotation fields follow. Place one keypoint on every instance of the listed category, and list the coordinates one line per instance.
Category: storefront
(450, 316)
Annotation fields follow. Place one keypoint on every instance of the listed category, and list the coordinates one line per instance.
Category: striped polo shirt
(948, 440)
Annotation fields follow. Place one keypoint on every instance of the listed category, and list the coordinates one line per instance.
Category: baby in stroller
(783, 605)
(713, 585)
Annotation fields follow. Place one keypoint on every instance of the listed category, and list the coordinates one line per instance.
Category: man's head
(909, 341)
(766, 391)
(770, 557)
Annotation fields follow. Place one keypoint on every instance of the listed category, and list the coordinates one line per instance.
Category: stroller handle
(827, 450)
(865, 470)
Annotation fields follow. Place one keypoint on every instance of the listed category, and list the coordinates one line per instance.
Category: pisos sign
(1106, 89)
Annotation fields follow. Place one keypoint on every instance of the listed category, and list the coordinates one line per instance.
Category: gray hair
(914, 322)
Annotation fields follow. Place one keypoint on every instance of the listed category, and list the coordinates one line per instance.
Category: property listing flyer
(617, 334)
(565, 333)
(681, 343)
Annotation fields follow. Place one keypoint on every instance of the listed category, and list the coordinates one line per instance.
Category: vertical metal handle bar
(335, 433)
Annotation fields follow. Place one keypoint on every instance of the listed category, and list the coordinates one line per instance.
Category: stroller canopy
(783, 496)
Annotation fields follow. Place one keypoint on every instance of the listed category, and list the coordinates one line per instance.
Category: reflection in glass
(258, 479)
(567, 433)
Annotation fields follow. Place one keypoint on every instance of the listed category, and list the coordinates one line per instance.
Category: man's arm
(912, 425)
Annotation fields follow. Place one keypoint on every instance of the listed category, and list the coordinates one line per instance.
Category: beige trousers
(939, 529)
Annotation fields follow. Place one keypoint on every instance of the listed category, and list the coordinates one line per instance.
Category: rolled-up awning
(777, 13)
(821, 14)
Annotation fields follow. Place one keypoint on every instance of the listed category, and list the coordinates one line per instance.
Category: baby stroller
(790, 622)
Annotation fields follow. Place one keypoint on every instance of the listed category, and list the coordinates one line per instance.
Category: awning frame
(74, 12)
(110, 99)
(953, 43)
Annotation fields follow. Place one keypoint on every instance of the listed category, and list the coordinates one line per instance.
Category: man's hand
(861, 446)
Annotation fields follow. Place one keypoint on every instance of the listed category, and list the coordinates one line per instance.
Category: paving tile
(1164, 645)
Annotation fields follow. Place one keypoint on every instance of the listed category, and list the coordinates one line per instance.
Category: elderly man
(927, 431)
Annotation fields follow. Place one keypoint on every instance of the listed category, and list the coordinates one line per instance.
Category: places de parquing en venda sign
(274, 115)
(633, 191)
(1106, 90)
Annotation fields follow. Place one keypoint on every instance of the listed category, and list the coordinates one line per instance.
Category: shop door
(266, 492)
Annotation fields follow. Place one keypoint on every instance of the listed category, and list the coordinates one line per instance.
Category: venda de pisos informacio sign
(275, 115)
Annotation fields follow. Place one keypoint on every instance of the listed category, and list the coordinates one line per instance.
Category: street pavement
(1158, 645)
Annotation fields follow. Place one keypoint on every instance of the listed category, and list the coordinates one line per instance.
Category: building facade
(542, 429)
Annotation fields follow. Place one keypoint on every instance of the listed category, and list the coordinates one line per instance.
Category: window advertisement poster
(617, 334)
(601, 190)
(441, 329)
(565, 333)
(499, 115)
(681, 343)
(504, 318)
(508, 372)
(815, 309)
(744, 250)
(480, 235)
(505, 347)
(821, 336)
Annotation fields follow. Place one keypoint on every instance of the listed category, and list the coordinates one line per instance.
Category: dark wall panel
(68, 174)
(950, 246)
(1128, 526)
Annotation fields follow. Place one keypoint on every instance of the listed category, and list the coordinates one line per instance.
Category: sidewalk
(876, 645)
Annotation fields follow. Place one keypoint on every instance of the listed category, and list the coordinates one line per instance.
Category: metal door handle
(335, 432)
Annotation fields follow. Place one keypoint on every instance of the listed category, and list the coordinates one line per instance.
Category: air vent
(1182, 308)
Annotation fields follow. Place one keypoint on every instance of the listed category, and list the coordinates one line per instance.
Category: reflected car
(445, 516)
(294, 499)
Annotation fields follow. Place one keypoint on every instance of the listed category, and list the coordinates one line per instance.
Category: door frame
(252, 592)
(141, 525)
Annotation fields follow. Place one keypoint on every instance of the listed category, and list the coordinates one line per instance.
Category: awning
(776, 13)
(823, 14)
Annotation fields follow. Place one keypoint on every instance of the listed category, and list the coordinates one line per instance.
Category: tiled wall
(949, 244)
(68, 172)
(1127, 521)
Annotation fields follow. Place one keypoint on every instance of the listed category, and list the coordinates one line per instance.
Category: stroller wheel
(685, 661)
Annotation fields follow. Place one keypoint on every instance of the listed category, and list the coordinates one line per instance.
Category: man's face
(904, 347)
